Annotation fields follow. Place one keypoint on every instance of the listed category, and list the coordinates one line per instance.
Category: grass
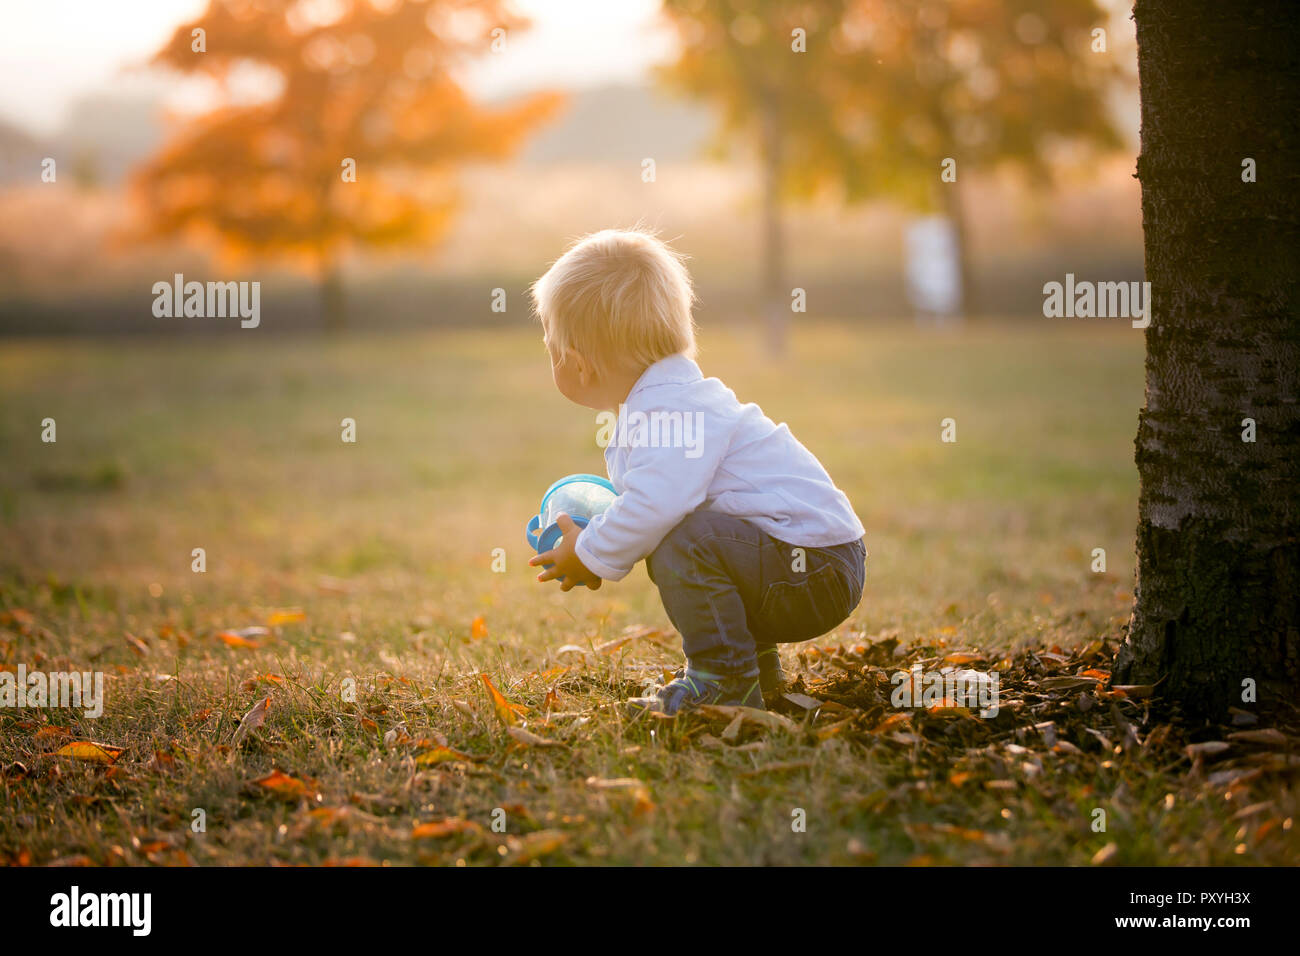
(387, 545)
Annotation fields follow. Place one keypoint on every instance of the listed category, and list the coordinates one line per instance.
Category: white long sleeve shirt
(683, 442)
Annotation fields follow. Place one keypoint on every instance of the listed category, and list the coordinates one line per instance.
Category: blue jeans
(733, 590)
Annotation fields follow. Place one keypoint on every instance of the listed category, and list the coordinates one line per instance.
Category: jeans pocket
(801, 610)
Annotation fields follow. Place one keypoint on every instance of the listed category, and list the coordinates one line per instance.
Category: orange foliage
(363, 83)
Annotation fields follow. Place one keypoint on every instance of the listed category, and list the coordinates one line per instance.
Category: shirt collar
(673, 370)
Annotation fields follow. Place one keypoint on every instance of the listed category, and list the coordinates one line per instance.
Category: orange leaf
(892, 721)
(282, 785)
(51, 734)
(92, 752)
(437, 755)
(536, 845)
(478, 628)
(439, 829)
(281, 618)
(256, 679)
(507, 712)
(329, 816)
(235, 640)
(162, 761)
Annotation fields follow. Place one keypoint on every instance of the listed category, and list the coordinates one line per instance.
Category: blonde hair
(619, 297)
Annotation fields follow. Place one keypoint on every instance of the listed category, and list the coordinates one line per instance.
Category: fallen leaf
(251, 721)
(91, 752)
(478, 628)
(764, 718)
(631, 634)
(464, 707)
(1252, 810)
(233, 639)
(892, 721)
(282, 785)
(1105, 855)
(535, 845)
(256, 679)
(733, 729)
(1067, 683)
(441, 754)
(830, 730)
(804, 701)
(530, 739)
(507, 712)
(1269, 736)
(281, 618)
(162, 761)
(50, 735)
(440, 829)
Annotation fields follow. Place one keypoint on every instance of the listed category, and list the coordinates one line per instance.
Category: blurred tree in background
(740, 55)
(357, 143)
(869, 97)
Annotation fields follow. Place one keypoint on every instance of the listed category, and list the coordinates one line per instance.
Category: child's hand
(563, 559)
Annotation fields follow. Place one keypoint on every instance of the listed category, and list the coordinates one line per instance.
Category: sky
(54, 51)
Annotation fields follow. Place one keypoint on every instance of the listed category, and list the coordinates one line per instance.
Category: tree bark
(333, 298)
(955, 210)
(1217, 602)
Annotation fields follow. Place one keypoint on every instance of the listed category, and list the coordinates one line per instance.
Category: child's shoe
(691, 688)
(771, 676)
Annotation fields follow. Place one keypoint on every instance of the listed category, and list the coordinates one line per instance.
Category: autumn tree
(358, 141)
(1216, 614)
(870, 97)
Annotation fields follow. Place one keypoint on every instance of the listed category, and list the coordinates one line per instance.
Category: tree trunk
(333, 299)
(1217, 605)
(955, 210)
(776, 297)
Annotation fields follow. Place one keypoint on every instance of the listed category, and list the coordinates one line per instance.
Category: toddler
(747, 538)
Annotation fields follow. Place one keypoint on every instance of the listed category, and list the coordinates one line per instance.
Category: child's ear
(585, 372)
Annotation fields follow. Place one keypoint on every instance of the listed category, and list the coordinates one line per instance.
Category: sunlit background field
(235, 446)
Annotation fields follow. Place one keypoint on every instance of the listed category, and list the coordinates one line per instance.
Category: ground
(379, 614)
